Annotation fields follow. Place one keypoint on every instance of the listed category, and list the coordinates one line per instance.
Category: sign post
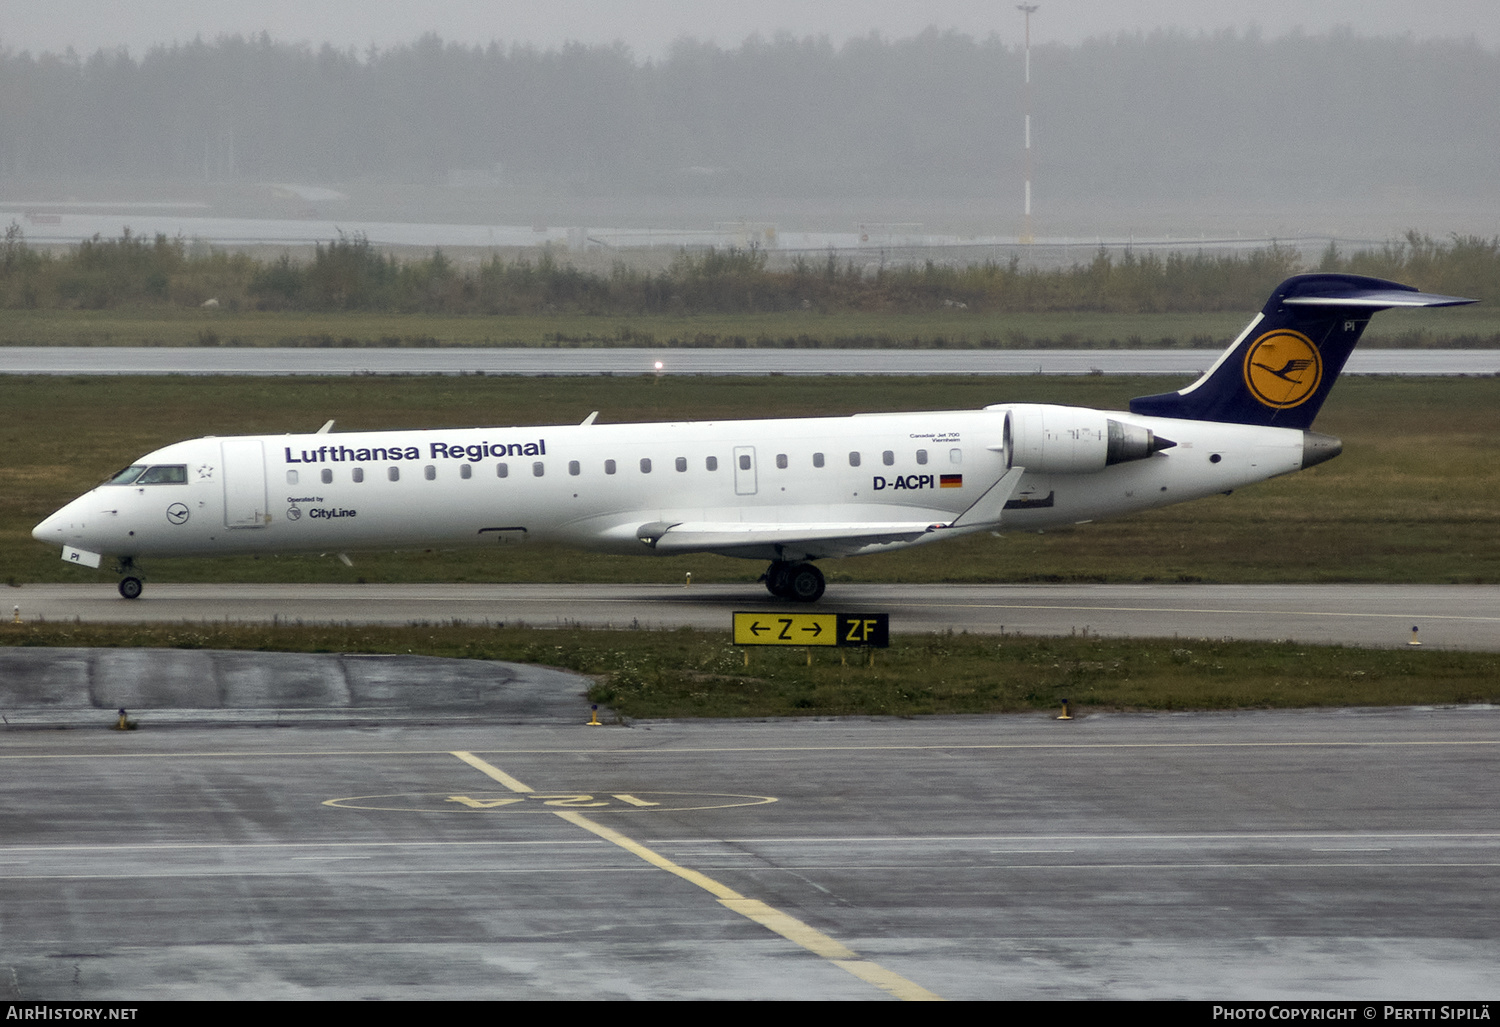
(864, 630)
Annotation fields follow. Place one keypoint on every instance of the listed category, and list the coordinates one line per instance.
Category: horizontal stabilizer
(1377, 299)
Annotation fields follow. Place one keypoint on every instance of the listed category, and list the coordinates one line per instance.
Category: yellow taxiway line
(772, 919)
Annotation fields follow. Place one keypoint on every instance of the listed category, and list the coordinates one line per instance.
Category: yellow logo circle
(1283, 368)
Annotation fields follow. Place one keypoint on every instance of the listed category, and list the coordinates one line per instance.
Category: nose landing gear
(801, 582)
(130, 584)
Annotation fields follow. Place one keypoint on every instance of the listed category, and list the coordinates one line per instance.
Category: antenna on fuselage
(327, 427)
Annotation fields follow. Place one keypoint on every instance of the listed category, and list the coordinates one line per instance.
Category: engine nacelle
(1073, 440)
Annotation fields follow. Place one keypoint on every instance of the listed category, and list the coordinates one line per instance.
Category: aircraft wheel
(778, 580)
(130, 588)
(806, 583)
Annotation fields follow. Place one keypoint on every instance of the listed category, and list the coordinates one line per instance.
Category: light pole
(1026, 234)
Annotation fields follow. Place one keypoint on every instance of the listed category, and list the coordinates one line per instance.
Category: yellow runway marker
(656, 859)
(495, 773)
(533, 802)
(789, 927)
(892, 983)
(642, 803)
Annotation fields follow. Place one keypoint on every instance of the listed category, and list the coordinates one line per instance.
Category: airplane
(788, 491)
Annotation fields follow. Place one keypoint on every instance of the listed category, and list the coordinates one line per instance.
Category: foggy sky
(649, 26)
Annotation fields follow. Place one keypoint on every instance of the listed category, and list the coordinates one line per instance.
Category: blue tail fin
(1279, 371)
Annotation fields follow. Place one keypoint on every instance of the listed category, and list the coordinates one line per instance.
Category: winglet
(987, 510)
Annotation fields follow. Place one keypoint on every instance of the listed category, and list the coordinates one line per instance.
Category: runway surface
(108, 360)
(1331, 855)
(302, 826)
(1448, 616)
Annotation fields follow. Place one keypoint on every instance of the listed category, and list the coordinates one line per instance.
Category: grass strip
(693, 673)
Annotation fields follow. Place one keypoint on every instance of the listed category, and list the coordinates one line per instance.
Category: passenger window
(466, 470)
(853, 459)
(745, 461)
(781, 460)
(502, 470)
(573, 468)
(537, 469)
(291, 477)
(609, 467)
(682, 463)
(817, 459)
(393, 473)
(429, 472)
(358, 474)
(955, 456)
(712, 463)
(645, 465)
(888, 458)
(327, 475)
(921, 456)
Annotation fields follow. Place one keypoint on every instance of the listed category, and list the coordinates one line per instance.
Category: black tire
(805, 583)
(779, 580)
(130, 588)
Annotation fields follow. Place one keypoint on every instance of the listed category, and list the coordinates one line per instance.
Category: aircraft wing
(832, 538)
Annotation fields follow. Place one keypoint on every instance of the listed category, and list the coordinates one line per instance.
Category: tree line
(350, 274)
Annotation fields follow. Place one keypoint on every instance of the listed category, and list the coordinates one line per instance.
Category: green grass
(689, 673)
(1414, 498)
(958, 329)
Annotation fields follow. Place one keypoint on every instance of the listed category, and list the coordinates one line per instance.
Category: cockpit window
(164, 474)
(126, 476)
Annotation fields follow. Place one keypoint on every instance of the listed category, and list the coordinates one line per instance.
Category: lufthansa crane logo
(177, 513)
(1283, 368)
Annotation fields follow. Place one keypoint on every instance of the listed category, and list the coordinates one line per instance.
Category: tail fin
(1279, 371)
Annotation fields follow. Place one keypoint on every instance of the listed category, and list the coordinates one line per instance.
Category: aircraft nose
(49, 530)
(63, 525)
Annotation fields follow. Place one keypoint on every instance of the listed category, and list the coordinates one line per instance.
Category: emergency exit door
(744, 470)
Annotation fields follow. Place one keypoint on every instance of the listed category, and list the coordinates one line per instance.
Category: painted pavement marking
(789, 927)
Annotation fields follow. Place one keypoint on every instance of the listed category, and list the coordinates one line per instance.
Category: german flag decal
(951, 481)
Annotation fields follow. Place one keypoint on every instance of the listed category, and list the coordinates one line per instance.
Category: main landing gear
(130, 584)
(801, 582)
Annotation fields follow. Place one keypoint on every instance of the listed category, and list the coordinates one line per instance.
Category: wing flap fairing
(723, 536)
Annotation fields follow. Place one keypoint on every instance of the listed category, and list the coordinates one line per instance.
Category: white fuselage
(796, 485)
